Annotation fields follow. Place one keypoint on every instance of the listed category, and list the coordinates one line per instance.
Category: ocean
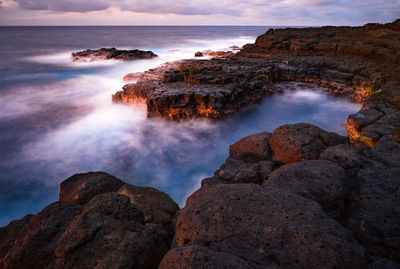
(57, 118)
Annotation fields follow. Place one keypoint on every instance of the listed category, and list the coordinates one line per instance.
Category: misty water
(57, 118)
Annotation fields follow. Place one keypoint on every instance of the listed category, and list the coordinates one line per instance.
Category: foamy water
(64, 123)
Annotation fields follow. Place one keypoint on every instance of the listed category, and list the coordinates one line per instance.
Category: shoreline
(297, 197)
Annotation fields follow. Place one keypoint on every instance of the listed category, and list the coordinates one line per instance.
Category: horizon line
(177, 25)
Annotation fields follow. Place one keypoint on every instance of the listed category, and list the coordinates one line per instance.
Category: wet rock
(80, 188)
(133, 93)
(301, 141)
(200, 88)
(111, 53)
(266, 226)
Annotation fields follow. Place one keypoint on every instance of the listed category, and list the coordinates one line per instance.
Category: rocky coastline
(359, 62)
(299, 197)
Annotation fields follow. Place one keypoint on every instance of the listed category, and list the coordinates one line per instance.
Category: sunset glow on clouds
(204, 12)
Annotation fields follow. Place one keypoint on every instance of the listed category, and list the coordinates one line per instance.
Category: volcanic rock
(93, 227)
(300, 209)
(323, 181)
(263, 226)
(254, 147)
(80, 188)
(298, 142)
(111, 53)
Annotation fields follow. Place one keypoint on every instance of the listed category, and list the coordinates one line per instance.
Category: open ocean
(57, 118)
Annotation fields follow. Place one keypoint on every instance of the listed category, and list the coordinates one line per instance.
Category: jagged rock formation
(359, 62)
(99, 222)
(111, 53)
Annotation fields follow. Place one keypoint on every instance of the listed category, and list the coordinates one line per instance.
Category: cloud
(63, 5)
(258, 8)
(199, 12)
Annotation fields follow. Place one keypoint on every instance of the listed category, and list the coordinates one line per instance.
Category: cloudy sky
(197, 12)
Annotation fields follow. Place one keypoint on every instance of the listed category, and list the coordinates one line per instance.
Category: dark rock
(252, 147)
(380, 263)
(9, 233)
(110, 233)
(269, 227)
(301, 141)
(344, 154)
(199, 257)
(318, 180)
(80, 188)
(198, 54)
(111, 53)
(33, 246)
(111, 230)
(236, 171)
(374, 210)
(156, 206)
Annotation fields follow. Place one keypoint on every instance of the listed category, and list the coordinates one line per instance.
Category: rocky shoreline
(299, 197)
(359, 62)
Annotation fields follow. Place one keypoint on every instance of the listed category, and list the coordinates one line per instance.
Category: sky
(198, 12)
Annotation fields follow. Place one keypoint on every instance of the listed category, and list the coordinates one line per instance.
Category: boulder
(269, 227)
(93, 227)
(33, 245)
(80, 188)
(110, 233)
(319, 180)
(254, 147)
(298, 142)
(344, 154)
(156, 206)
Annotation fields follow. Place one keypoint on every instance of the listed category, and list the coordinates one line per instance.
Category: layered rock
(359, 62)
(90, 55)
(364, 61)
(99, 222)
(199, 88)
(334, 206)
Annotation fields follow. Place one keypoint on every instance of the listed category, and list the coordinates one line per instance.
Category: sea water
(57, 118)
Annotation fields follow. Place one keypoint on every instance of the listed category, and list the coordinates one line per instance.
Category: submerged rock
(111, 53)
